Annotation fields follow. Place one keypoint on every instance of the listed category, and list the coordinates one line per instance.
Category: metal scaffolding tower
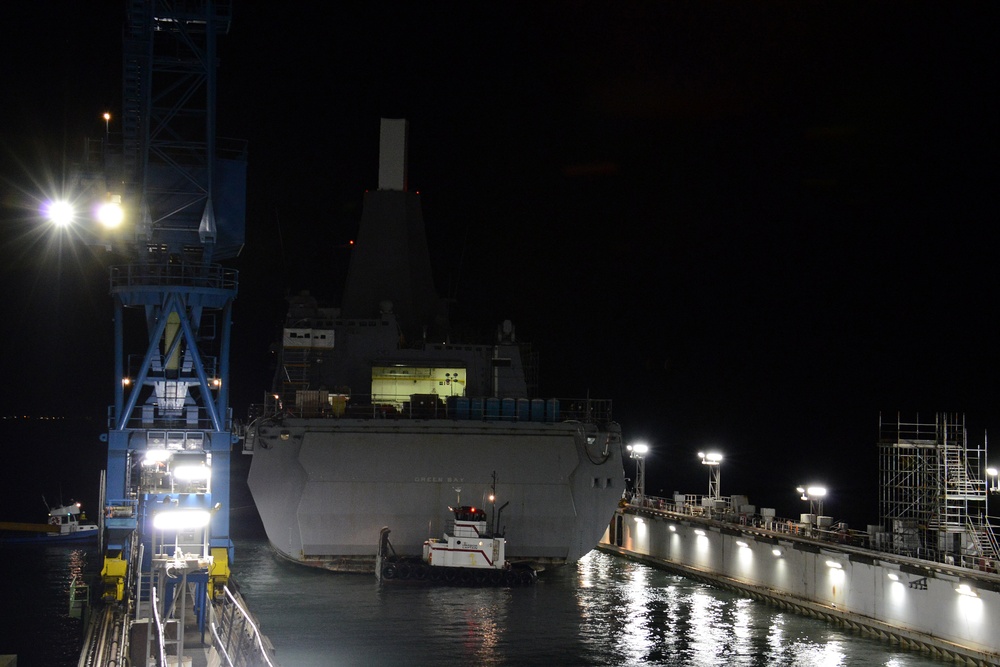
(933, 490)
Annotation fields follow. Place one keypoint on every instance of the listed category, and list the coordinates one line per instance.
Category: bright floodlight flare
(110, 213)
(816, 491)
(178, 519)
(191, 473)
(60, 213)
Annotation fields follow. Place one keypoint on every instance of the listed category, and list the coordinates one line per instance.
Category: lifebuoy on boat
(54, 520)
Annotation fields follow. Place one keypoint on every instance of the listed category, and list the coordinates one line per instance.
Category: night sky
(753, 225)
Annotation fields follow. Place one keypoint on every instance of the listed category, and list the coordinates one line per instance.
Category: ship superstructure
(376, 416)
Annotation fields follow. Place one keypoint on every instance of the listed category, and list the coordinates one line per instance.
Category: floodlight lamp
(711, 458)
(832, 564)
(154, 456)
(816, 491)
(801, 490)
(106, 116)
(181, 519)
(992, 472)
(192, 472)
(60, 213)
(965, 589)
(110, 213)
(640, 448)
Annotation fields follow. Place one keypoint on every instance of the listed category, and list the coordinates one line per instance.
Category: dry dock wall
(953, 612)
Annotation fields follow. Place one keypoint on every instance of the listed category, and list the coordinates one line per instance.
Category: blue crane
(175, 192)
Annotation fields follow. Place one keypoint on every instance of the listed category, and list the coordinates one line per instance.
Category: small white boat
(72, 524)
(66, 523)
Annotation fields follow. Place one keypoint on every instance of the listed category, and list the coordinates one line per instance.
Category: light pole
(815, 495)
(638, 452)
(993, 488)
(714, 462)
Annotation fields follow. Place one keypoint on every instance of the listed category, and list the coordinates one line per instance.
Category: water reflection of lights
(709, 636)
(743, 627)
(830, 654)
(658, 618)
(635, 634)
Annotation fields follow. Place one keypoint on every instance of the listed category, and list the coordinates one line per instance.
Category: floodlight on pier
(815, 495)
(714, 462)
(638, 452)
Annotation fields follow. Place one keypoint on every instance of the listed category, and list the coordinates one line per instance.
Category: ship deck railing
(837, 533)
(327, 405)
(186, 274)
(173, 419)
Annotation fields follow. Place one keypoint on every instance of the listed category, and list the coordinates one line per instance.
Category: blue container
(552, 410)
(507, 409)
(492, 408)
(523, 410)
(537, 410)
(476, 408)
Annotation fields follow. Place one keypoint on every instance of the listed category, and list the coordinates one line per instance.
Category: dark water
(34, 592)
(602, 611)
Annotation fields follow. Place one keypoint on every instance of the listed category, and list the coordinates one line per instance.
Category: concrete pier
(937, 608)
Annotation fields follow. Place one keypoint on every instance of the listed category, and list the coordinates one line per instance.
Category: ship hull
(324, 488)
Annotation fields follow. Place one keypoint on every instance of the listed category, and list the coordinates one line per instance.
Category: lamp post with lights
(815, 495)
(638, 452)
(714, 462)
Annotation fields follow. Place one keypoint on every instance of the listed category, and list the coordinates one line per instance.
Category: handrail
(332, 405)
(839, 535)
(225, 646)
(212, 276)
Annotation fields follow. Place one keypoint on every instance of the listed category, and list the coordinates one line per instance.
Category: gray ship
(377, 419)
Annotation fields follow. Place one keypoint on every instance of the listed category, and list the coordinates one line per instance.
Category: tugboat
(471, 555)
(66, 523)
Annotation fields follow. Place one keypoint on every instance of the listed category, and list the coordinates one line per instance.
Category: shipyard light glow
(181, 519)
(60, 213)
(110, 213)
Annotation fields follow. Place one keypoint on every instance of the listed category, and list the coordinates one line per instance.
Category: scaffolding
(933, 490)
